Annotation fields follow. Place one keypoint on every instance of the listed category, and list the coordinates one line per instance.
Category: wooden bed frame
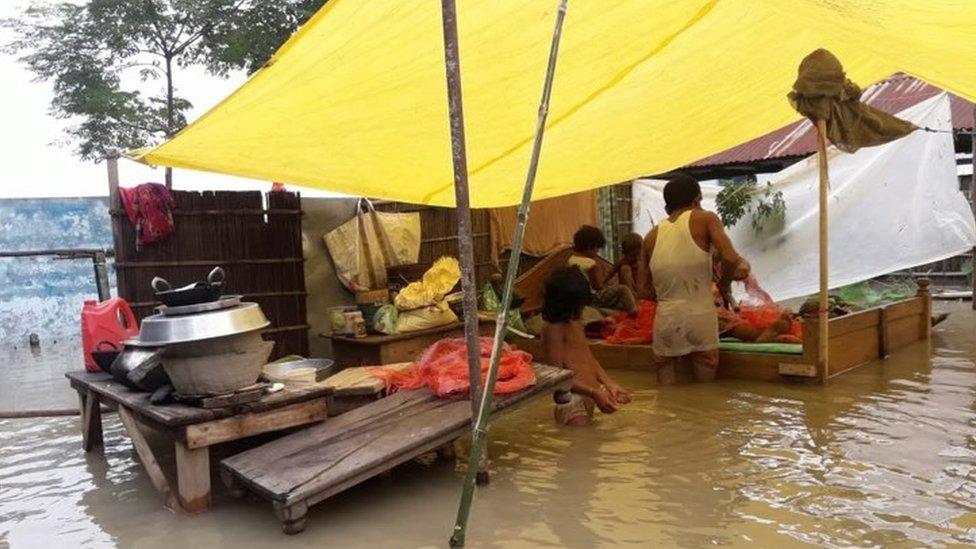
(855, 339)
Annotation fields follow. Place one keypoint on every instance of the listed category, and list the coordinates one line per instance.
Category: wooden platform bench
(191, 430)
(311, 465)
(374, 350)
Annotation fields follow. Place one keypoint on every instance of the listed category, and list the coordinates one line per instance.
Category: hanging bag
(363, 247)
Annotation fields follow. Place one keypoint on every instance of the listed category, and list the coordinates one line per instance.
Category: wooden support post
(193, 477)
(144, 451)
(926, 295)
(112, 165)
(972, 204)
(883, 337)
(823, 316)
(91, 421)
(452, 66)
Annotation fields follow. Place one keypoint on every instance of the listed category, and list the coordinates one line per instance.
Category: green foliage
(739, 197)
(103, 57)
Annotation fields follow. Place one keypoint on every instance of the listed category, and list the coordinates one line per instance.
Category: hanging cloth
(550, 227)
(822, 91)
(149, 208)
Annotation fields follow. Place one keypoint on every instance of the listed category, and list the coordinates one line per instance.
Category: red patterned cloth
(149, 208)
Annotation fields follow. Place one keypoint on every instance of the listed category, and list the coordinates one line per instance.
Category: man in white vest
(676, 269)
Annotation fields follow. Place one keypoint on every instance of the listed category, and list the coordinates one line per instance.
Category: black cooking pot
(105, 357)
(198, 292)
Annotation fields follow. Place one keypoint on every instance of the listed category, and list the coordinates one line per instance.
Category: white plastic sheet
(891, 207)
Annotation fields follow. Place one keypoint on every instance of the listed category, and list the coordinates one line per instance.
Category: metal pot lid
(160, 329)
(225, 302)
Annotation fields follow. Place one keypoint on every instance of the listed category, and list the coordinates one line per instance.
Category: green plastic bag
(492, 304)
(385, 319)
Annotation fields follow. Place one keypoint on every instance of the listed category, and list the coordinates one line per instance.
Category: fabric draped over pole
(823, 93)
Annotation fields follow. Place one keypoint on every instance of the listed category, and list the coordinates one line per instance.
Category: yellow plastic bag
(442, 276)
(363, 247)
(426, 318)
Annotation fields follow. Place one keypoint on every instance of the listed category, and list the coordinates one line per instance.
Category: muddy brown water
(883, 456)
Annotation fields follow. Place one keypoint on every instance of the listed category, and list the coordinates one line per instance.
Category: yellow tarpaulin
(355, 102)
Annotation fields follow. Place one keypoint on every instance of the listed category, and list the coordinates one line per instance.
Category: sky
(37, 162)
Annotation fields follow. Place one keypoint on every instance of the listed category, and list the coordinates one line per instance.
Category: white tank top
(686, 321)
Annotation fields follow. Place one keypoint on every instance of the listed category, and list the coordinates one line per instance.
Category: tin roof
(799, 139)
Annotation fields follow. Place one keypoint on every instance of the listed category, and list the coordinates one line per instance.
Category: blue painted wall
(42, 294)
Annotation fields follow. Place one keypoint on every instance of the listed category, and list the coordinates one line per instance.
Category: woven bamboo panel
(258, 246)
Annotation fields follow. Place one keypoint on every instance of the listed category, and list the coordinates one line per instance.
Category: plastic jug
(111, 320)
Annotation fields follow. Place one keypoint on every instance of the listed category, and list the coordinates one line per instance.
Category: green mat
(730, 344)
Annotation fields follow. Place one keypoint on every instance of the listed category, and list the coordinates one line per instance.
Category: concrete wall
(323, 287)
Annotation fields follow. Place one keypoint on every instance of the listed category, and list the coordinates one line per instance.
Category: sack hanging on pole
(363, 247)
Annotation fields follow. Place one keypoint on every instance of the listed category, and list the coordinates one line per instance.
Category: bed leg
(926, 295)
(234, 487)
(292, 517)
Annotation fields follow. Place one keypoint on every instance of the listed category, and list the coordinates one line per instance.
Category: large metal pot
(161, 330)
(216, 366)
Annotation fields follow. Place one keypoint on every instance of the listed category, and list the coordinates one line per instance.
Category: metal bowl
(159, 329)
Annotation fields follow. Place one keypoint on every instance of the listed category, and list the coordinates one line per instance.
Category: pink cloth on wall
(551, 224)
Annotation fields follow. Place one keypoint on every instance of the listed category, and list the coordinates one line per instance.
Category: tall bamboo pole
(452, 65)
(822, 315)
(480, 430)
(972, 204)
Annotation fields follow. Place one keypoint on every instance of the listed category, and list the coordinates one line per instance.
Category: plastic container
(110, 321)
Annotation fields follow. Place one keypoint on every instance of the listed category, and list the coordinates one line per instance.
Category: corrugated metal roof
(799, 139)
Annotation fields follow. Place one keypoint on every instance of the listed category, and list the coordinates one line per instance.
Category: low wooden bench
(309, 466)
(192, 430)
(376, 349)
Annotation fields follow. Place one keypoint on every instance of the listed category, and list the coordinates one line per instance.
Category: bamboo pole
(823, 317)
(452, 65)
(480, 430)
(972, 204)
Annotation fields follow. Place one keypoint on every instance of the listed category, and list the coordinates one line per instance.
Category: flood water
(884, 455)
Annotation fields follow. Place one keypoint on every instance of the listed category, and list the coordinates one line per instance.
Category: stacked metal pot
(208, 344)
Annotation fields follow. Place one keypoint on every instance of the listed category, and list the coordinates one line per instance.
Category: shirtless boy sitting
(564, 343)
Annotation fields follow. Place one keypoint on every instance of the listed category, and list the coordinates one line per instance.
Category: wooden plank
(853, 349)
(91, 421)
(148, 459)
(797, 369)
(313, 461)
(907, 308)
(754, 366)
(904, 332)
(193, 477)
(178, 415)
(245, 425)
(854, 322)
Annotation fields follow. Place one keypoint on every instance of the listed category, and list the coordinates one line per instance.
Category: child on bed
(626, 267)
(564, 344)
(587, 242)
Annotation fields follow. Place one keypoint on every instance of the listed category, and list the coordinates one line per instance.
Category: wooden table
(373, 350)
(192, 430)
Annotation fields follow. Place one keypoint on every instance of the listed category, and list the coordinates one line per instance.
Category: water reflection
(882, 456)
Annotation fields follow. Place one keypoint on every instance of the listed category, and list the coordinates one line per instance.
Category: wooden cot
(855, 339)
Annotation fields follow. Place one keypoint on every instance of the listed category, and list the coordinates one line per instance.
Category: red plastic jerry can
(111, 320)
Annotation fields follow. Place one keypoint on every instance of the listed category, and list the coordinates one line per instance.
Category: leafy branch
(740, 197)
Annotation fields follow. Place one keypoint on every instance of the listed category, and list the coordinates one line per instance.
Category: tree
(101, 56)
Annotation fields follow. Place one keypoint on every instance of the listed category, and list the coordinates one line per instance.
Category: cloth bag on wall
(363, 247)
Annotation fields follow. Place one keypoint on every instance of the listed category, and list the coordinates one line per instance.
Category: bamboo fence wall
(259, 248)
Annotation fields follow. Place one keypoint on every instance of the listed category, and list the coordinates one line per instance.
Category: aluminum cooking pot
(159, 329)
